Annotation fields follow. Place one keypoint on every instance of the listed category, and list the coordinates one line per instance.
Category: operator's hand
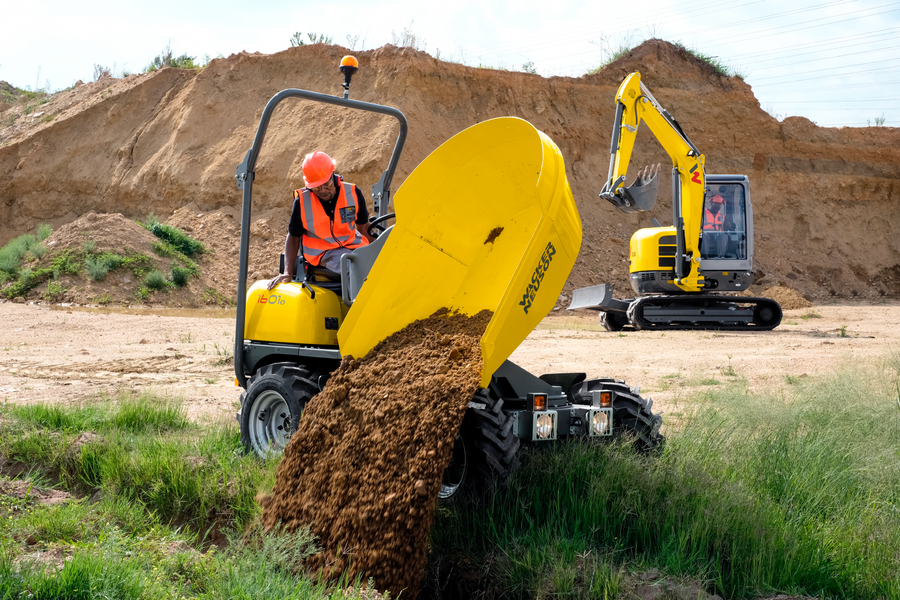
(283, 278)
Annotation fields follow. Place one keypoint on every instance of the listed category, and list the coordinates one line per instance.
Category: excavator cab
(725, 224)
(726, 240)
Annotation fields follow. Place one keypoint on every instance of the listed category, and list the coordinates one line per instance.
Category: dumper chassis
(281, 376)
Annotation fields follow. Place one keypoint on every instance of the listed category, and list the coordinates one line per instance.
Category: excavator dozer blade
(487, 221)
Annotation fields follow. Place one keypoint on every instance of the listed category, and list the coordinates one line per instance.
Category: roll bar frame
(245, 173)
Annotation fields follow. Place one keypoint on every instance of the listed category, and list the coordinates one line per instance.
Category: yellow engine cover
(487, 221)
(289, 314)
(652, 249)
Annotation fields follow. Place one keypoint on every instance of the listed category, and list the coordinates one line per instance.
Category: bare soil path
(60, 354)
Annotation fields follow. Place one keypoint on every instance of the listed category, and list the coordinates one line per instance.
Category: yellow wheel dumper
(486, 221)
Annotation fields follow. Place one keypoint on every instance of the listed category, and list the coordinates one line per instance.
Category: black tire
(612, 322)
(632, 414)
(484, 454)
(271, 407)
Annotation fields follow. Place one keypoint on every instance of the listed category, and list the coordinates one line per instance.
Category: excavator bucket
(487, 221)
(640, 196)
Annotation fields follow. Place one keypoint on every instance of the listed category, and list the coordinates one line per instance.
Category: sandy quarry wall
(825, 199)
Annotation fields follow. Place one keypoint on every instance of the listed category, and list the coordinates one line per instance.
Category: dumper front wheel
(632, 413)
(271, 407)
(484, 452)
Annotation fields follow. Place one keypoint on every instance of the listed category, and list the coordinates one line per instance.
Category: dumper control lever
(349, 67)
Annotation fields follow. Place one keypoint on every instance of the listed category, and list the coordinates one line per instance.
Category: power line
(769, 34)
(720, 26)
(788, 27)
(804, 62)
(859, 124)
(673, 14)
(871, 62)
(855, 108)
(833, 101)
(823, 76)
(839, 41)
(818, 88)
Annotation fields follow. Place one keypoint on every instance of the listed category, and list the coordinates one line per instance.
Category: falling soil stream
(364, 468)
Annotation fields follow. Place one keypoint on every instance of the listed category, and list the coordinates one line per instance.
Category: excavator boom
(634, 105)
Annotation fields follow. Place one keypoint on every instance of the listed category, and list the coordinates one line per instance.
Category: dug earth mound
(364, 468)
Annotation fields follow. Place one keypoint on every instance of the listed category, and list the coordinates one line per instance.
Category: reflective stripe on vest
(322, 233)
(713, 222)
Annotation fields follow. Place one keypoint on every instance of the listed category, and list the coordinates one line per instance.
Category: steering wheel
(377, 225)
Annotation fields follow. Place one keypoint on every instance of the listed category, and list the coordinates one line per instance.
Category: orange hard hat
(318, 168)
(718, 199)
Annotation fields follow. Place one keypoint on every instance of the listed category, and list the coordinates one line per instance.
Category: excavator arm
(634, 104)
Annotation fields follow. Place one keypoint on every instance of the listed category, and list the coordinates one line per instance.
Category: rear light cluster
(544, 422)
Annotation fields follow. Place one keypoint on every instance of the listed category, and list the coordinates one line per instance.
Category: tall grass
(166, 486)
(797, 490)
(129, 459)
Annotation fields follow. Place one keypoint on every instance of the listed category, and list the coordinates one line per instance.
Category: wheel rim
(270, 423)
(456, 471)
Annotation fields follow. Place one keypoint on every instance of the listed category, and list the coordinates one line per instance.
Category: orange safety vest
(322, 233)
(713, 222)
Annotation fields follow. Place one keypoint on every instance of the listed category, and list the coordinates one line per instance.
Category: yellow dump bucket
(487, 221)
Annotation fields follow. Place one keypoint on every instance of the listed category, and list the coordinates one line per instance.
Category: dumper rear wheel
(484, 453)
(632, 414)
(271, 407)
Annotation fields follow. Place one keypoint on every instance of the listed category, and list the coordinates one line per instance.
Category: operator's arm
(291, 250)
(291, 246)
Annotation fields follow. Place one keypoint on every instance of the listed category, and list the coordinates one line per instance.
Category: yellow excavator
(509, 252)
(680, 270)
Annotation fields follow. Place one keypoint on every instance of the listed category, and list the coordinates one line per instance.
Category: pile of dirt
(365, 467)
(788, 298)
(92, 235)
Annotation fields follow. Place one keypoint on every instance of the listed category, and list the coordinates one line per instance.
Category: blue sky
(836, 62)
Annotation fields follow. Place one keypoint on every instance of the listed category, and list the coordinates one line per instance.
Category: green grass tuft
(178, 239)
(96, 268)
(180, 275)
(155, 280)
(721, 69)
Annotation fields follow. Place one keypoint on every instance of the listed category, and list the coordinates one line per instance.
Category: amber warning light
(349, 67)
(538, 402)
(601, 398)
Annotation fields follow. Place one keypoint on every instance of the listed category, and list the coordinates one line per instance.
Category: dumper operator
(324, 218)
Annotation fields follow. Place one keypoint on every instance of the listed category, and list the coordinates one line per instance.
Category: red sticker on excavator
(696, 177)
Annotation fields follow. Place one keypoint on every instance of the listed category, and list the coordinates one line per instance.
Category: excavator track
(704, 312)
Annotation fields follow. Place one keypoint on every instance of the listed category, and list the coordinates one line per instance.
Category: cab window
(724, 223)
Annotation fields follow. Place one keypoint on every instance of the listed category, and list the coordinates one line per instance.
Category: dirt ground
(69, 354)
